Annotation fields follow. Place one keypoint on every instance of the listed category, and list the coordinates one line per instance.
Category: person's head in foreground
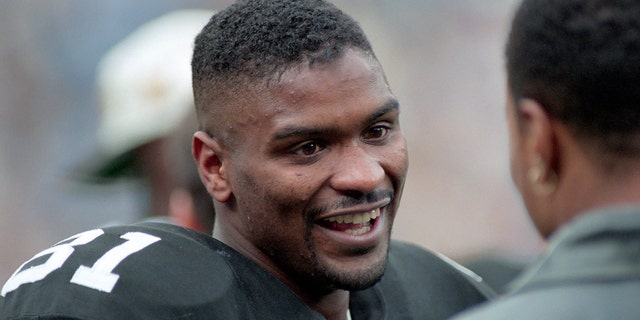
(300, 144)
(574, 106)
(573, 109)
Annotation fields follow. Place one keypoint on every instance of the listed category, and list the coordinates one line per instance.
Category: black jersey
(161, 271)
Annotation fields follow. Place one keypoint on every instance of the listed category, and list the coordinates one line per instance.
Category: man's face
(317, 173)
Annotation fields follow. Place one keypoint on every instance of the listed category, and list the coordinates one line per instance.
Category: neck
(332, 306)
(587, 187)
(331, 303)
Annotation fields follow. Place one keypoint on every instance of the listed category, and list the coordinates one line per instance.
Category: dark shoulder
(412, 257)
(149, 270)
(430, 283)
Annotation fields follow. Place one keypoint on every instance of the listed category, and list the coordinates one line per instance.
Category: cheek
(271, 212)
(396, 160)
(395, 156)
(403, 160)
(273, 194)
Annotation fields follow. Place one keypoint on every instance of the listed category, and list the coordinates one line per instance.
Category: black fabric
(419, 285)
(189, 275)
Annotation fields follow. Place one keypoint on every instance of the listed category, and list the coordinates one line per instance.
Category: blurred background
(443, 59)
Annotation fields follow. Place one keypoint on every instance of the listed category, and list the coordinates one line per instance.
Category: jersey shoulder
(150, 270)
(428, 284)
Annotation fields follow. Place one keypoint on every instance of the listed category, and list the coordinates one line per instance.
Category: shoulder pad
(149, 270)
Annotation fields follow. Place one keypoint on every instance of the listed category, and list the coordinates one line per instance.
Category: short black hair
(255, 40)
(581, 60)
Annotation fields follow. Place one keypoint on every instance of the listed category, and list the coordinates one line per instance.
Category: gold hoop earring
(543, 181)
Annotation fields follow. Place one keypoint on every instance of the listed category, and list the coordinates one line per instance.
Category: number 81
(100, 276)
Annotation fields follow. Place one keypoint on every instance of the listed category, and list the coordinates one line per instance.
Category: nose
(357, 171)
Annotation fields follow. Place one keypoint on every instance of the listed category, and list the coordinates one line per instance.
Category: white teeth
(348, 218)
(375, 213)
(356, 218)
(360, 231)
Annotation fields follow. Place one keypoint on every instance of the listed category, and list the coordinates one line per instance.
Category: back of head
(580, 59)
(255, 41)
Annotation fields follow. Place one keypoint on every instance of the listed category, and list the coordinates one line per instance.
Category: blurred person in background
(573, 112)
(147, 119)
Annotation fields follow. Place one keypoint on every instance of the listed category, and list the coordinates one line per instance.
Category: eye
(308, 149)
(376, 133)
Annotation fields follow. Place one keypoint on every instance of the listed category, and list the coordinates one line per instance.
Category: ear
(538, 135)
(208, 154)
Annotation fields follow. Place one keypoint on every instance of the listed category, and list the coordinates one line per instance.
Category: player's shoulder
(401, 252)
(422, 284)
(120, 272)
(411, 261)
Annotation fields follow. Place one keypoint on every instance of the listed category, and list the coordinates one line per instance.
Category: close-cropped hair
(255, 41)
(581, 60)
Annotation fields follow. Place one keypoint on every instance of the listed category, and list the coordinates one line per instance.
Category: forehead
(348, 84)
(337, 96)
(354, 70)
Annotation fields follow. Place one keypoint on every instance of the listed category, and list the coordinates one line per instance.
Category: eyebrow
(294, 131)
(389, 106)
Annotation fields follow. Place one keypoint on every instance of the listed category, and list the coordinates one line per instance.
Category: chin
(353, 276)
(355, 282)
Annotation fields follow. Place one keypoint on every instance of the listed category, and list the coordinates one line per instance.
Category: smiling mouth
(352, 224)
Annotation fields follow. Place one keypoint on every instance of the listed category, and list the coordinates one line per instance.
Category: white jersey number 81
(100, 276)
